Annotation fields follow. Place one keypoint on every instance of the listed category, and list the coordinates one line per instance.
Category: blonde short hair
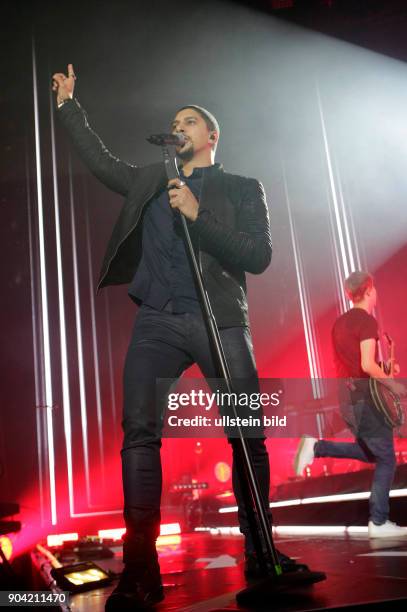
(357, 284)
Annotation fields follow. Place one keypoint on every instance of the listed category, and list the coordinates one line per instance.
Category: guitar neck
(390, 367)
(391, 364)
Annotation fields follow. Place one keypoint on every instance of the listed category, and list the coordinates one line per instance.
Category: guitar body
(387, 403)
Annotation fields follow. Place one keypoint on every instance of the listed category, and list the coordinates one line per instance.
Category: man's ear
(213, 136)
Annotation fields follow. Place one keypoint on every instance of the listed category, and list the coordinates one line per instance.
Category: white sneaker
(304, 455)
(387, 530)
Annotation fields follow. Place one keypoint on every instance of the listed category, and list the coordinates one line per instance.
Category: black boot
(253, 571)
(135, 591)
(140, 586)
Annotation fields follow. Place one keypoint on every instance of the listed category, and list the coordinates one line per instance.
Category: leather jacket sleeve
(114, 173)
(249, 245)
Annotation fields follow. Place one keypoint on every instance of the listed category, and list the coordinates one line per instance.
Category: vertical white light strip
(41, 467)
(304, 306)
(95, 346)
(110, 357)
(333, 189)
(66, 399)
(342, 299)
(317, 382)
(352, 226)
(34, 316)
(81, 369)
(44, 300)
(37, 380)
(308, 319)
(299, 283)
(345, 221)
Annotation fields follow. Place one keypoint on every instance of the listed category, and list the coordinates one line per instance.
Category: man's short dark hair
(210, 120)
(357, 284)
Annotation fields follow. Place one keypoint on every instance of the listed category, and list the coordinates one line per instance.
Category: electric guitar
(384, 400)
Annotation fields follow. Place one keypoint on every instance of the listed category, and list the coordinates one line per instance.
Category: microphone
(167, 139)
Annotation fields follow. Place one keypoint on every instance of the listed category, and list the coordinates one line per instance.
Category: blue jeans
(162, 346)
(374, 443)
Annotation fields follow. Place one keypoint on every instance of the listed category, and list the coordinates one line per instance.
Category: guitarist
(354, 337)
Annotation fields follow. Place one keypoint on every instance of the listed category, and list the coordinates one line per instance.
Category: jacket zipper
(133, 227)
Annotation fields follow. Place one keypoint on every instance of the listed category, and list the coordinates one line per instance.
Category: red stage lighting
(116, 534)
(7, 547)
(111, 534)
(57, 539)
(222, 471)
(170, 529)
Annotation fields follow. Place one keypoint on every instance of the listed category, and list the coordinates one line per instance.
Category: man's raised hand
(64, 85)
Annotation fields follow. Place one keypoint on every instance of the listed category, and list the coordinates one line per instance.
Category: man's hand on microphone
(181, 197)
(64, 85)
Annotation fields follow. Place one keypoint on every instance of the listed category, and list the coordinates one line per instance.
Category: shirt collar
(199, 172)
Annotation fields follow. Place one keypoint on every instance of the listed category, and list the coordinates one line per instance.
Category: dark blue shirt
(164, 273)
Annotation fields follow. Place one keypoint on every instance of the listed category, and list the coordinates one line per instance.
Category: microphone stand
(274, 578)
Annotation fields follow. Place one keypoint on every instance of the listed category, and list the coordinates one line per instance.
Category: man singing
(354, 337)
(229, 225)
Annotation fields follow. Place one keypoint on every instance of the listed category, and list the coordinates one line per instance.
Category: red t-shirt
(347, 333)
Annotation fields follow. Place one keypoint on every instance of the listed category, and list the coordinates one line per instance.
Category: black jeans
(162, 346)
(374, 443)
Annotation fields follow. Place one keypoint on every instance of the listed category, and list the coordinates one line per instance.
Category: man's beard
(186, 154)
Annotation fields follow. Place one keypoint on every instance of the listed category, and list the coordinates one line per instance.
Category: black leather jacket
(232, 228)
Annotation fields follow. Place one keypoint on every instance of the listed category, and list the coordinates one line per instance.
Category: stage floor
(203, 572)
